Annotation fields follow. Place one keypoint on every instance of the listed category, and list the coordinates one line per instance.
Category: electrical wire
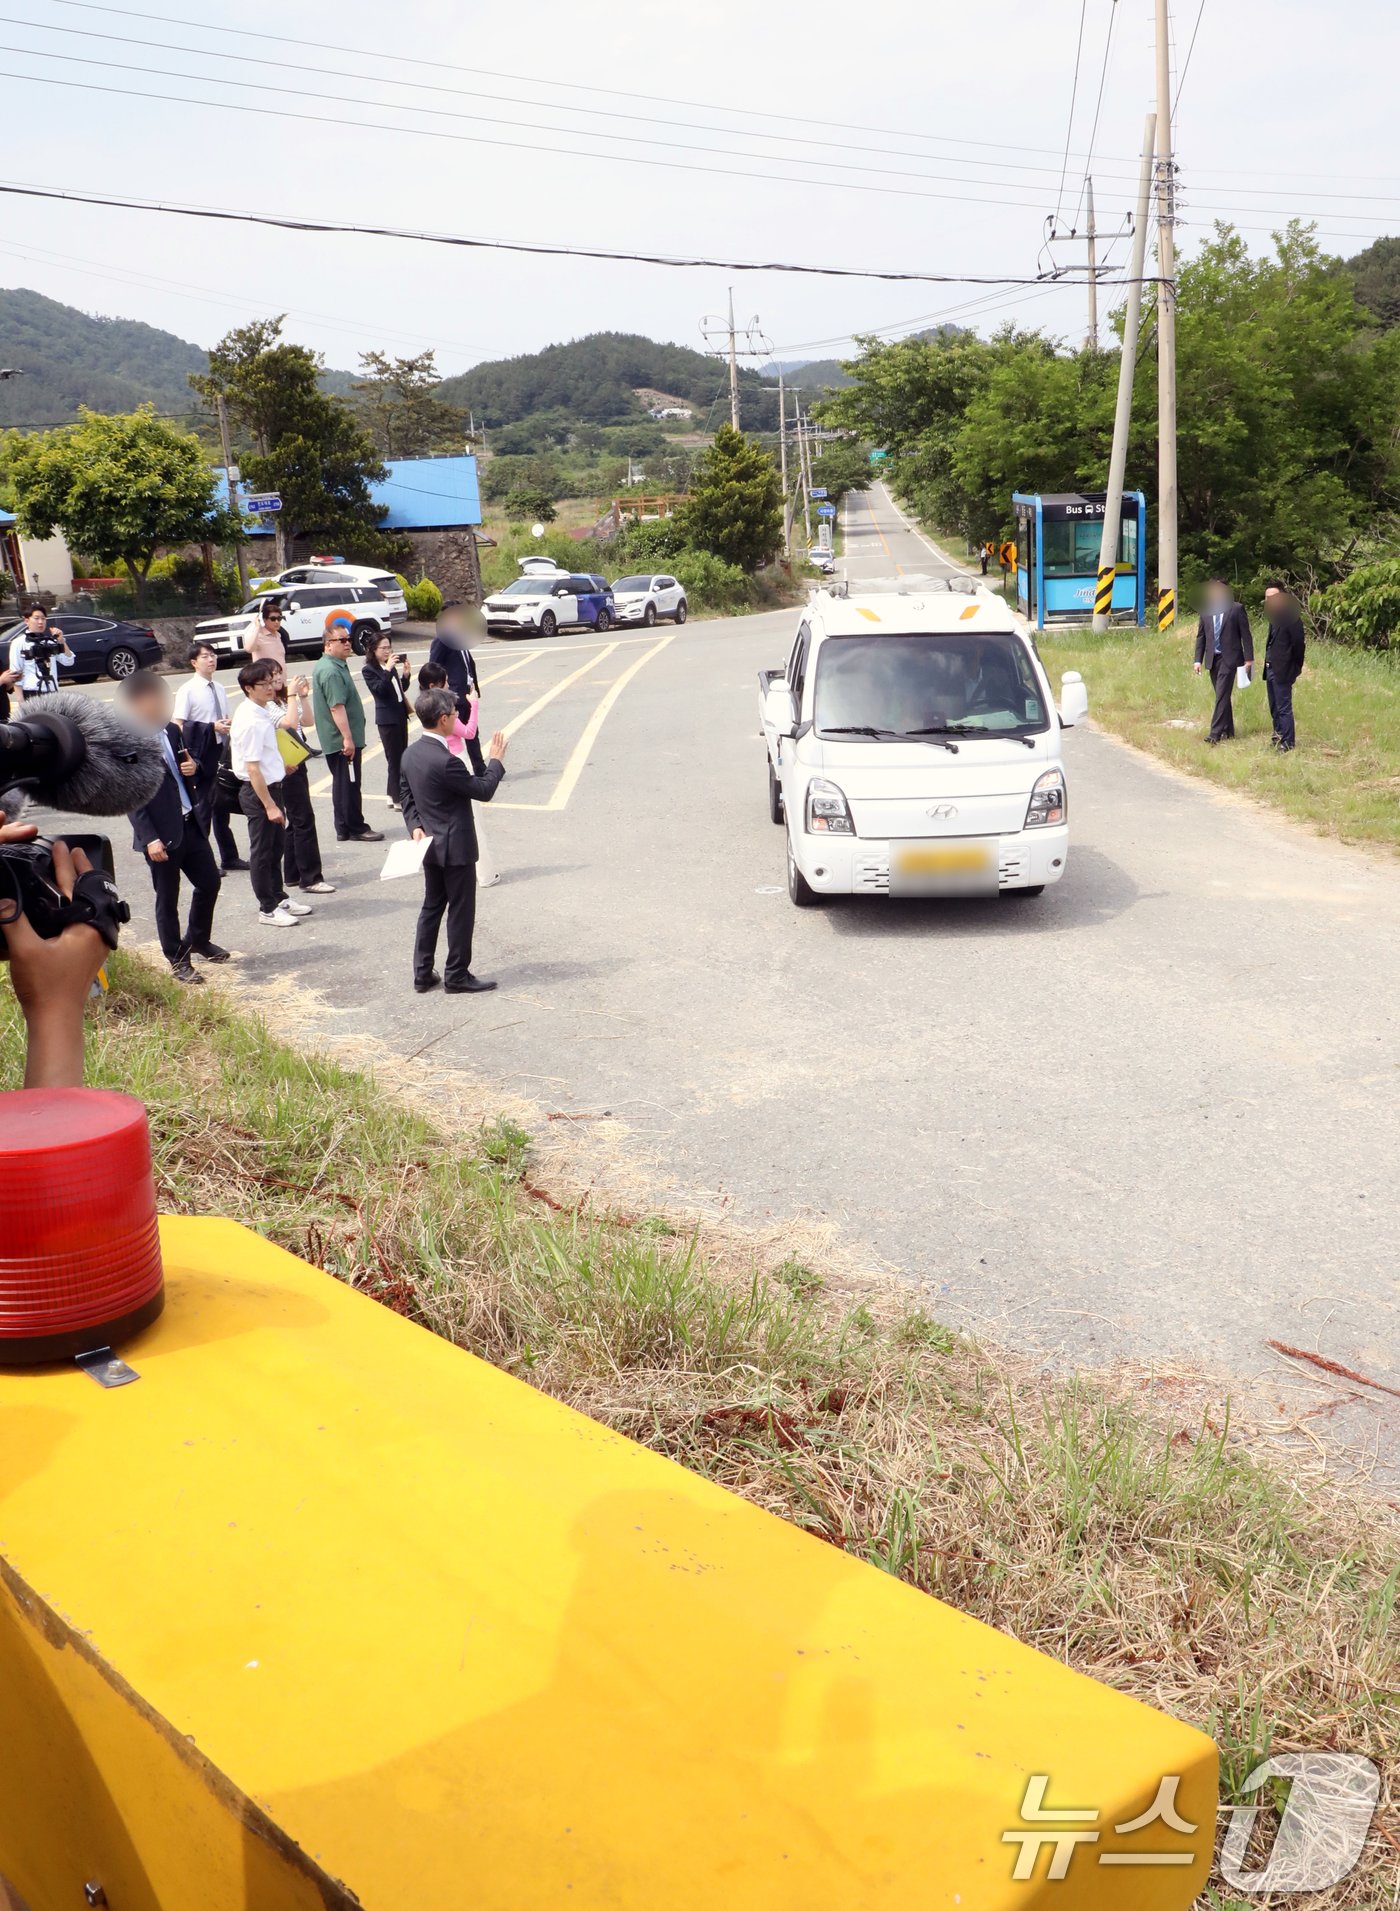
(1186, 63)
(531, 146)
(1073, 96)
(538, 249)
(1098, 105)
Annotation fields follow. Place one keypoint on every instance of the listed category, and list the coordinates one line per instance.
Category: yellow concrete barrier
(325, 1612)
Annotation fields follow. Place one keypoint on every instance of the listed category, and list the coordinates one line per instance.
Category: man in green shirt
(340, 731)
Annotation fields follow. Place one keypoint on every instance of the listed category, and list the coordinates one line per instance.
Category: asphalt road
(1151, 1114)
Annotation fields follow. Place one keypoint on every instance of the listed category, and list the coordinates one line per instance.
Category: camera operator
(53, 976)
(34, 654)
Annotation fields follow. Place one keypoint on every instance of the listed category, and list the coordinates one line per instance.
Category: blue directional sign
(826, 510)
(264, 501)
(818, 490)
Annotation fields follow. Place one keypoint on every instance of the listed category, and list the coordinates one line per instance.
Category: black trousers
(347, 797)
(301, 847)
(265, 840)
(194, 860)
(1222, 721)
(1281, 711)
(452, 889)
(394, 738)
(213, 820)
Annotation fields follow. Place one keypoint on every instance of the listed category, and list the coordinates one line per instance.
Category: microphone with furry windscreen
(75, 753)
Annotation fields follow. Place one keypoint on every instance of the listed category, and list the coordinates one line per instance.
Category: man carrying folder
(1224, 643)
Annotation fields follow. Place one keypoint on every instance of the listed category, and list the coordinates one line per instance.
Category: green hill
(68, 358)
(591, 380)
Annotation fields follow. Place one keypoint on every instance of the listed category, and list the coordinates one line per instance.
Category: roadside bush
(1364, 609)
(648, 546)
(713, 585)
(424, 600)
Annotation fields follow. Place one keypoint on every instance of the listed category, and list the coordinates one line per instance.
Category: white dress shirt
(253, 739)
(201, 700)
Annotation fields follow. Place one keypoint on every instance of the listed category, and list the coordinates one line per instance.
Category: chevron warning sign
(1166, 608)
(1103, 591)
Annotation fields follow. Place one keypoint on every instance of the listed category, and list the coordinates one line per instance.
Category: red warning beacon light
(79, 1251)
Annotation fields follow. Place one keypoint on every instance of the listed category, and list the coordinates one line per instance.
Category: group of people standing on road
(254, 760)
(1225, 648)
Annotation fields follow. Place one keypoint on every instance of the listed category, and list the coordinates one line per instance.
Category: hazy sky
(951, 119)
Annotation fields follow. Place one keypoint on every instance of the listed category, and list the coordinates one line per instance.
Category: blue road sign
(818, 490)
(826, 510)
(265, 501)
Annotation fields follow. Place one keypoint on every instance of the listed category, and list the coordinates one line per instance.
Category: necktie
(173, 766)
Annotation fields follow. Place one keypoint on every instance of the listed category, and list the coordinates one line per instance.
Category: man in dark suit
(450, 648)
(438, 793)
(1224, 642)
(166, 831)
(1283, 660)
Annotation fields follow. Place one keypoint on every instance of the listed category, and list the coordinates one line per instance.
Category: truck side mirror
(1074, 700)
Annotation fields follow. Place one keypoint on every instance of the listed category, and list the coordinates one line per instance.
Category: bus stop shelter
(1057, 556)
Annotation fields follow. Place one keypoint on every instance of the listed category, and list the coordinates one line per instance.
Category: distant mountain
(811, 374)
(68, 358)
(591, 380)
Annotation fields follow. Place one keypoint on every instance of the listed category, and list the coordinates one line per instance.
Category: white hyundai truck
(914, 747)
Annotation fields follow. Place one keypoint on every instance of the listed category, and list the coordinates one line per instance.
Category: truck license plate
(968, 867)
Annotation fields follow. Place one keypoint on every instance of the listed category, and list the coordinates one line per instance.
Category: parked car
(304, 609)
(320, 570)
(824, 559)
(644, 598)
(541, 602)
(914, 748)
(102, 646)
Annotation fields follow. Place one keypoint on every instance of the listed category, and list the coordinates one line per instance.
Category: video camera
(43, 649)
(28, 887)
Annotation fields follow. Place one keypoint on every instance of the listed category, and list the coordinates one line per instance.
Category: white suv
(304, 611)
(315, 571)
(914, 747)
(649, 595)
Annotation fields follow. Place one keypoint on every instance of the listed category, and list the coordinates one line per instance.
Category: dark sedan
(102, 646)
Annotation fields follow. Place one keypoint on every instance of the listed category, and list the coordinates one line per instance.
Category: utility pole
(723, 335)
(1093, 339)
(1122, 417)
(782, 464)
(1166, 331)
(239, 557)
(803, 469)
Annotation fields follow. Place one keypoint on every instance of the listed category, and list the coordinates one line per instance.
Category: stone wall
(450, 559)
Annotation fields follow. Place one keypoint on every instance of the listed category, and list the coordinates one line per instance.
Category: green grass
(1344, 777)
(1141, 1545)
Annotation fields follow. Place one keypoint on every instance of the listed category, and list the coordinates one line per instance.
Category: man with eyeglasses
(263, 637)
(340, 730)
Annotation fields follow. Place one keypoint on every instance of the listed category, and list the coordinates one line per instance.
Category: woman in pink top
(434, 677)
(263, 637)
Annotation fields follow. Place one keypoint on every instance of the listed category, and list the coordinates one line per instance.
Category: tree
(118, 487)
(526, 501)
(842, 467)
(399, 406)
(1376, 275)
(735, 506)
(305, 445)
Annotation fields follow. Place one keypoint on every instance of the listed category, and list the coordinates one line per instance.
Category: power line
(1098, 103)
(530, 247)
(531, 146)
(1186, 63)
(1073, 96)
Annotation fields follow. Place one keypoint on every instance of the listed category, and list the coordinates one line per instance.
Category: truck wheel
(800, 891)
(775, 796)
(549, 623)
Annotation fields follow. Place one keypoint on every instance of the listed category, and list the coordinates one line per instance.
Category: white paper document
(1242, 678)
(405, 858)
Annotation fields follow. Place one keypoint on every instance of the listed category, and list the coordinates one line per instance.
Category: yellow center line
(555, 690)
(883, 539)
(573, 769)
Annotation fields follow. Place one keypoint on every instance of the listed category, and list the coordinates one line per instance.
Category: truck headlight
(827, 811)
(1049, 802)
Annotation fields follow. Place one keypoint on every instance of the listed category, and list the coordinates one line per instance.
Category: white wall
(47, 565)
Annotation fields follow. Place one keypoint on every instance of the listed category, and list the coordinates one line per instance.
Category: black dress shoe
(227, 869)
(474, 985)
(210, 951)
(434, 981)
(368, 836)
(185, 971)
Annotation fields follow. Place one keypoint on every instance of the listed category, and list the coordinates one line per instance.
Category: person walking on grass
(438, 793)
(1225, 643)
(257, 763)
(167, 832)
(202, 718)
(340, 730)
(386, 679)
(1283, 660)
(301, 846)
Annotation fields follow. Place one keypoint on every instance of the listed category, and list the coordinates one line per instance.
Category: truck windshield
(964, 682)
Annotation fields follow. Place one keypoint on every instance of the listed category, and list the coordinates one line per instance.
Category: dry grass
(1148, 1549)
